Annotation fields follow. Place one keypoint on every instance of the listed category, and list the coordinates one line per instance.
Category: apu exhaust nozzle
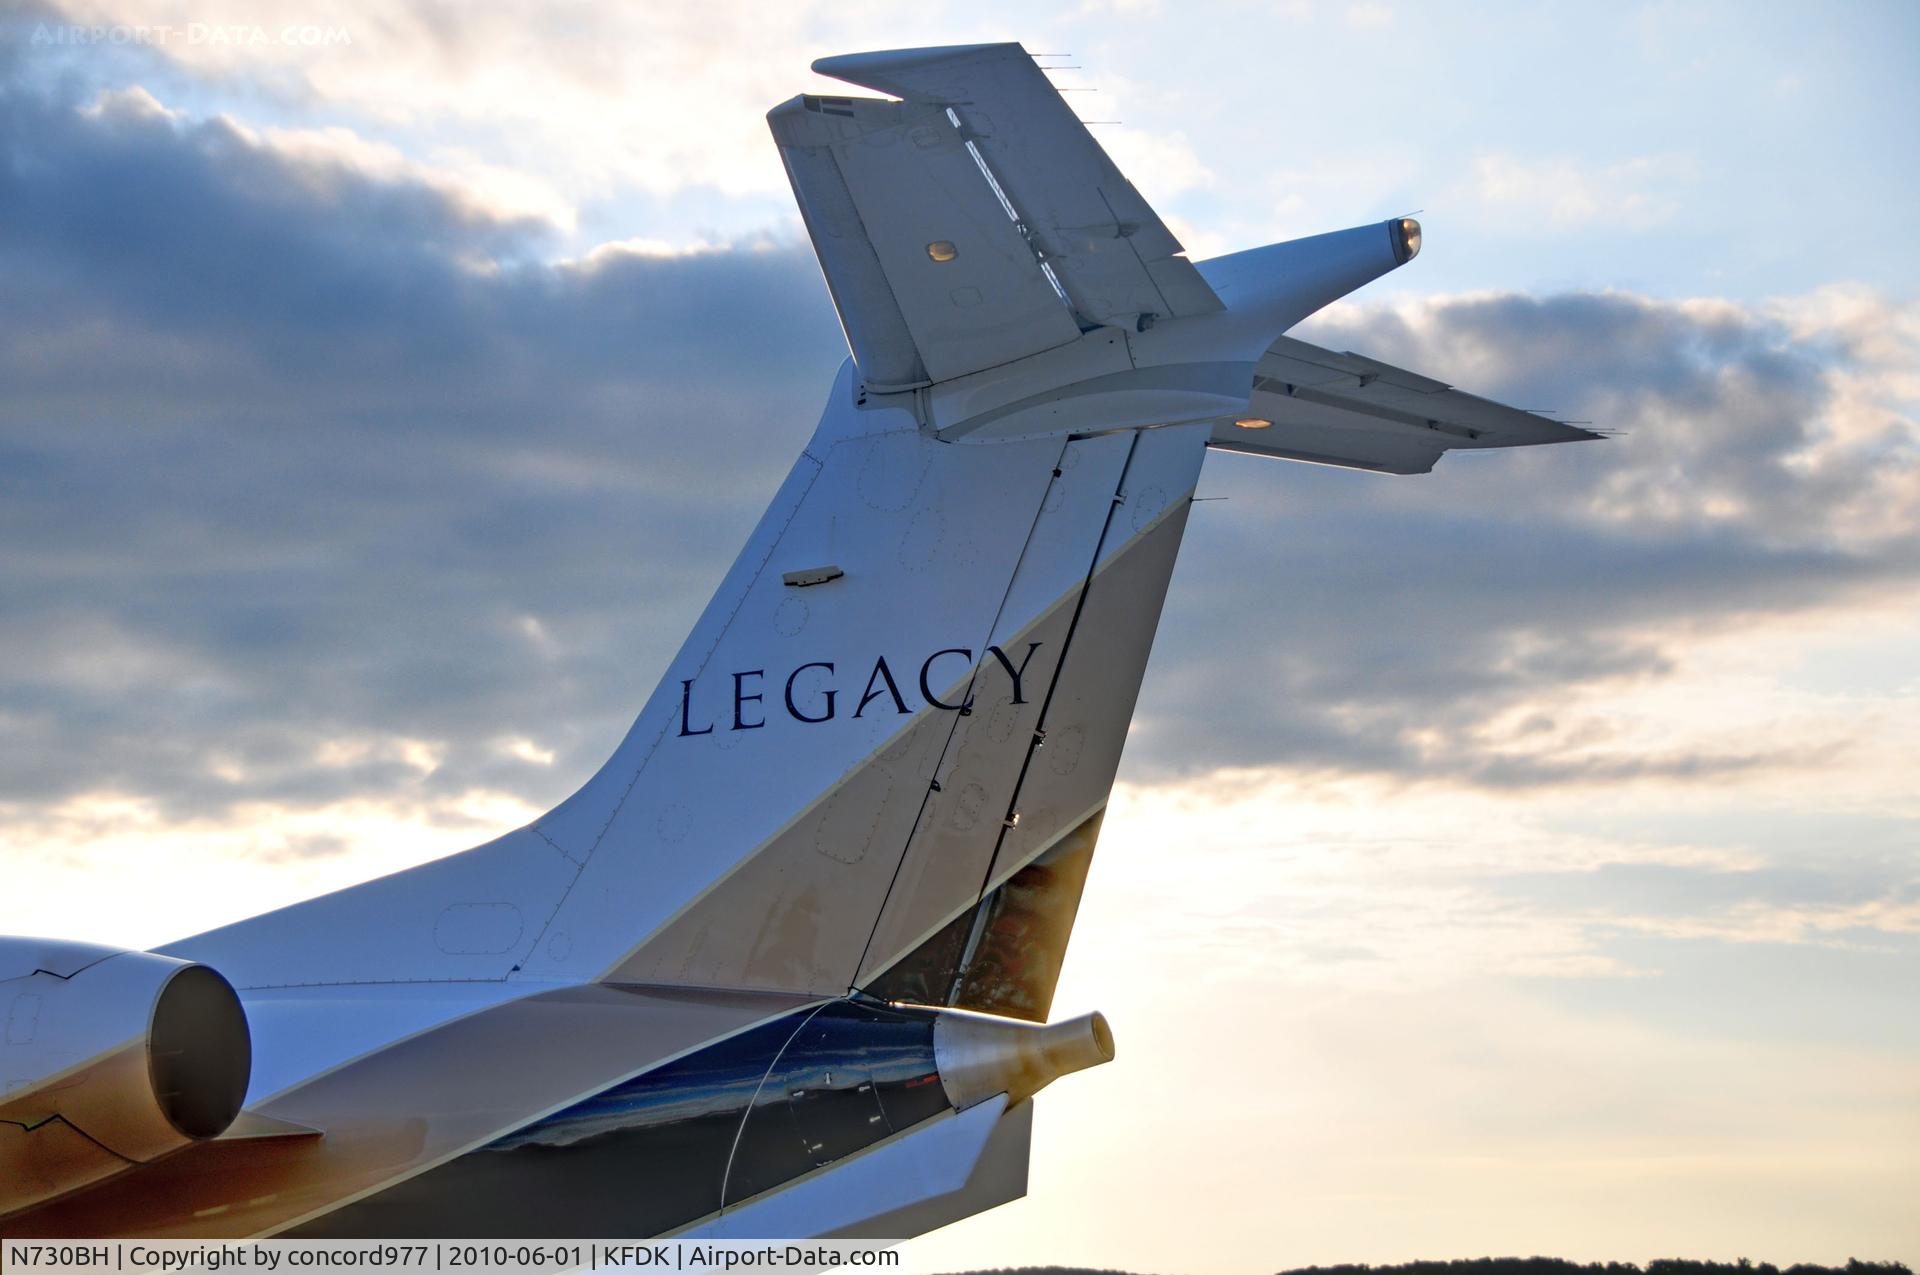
(978, 1057)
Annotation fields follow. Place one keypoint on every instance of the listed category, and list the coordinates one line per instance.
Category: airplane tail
(878, 761)
(878, 764)
(942, 719)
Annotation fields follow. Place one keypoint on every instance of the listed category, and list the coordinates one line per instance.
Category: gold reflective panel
(942, 250)
(1020, 944)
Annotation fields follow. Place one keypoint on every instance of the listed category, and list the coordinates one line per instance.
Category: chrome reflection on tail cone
(978, 1056)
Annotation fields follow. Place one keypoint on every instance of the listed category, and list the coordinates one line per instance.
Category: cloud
(1492, 622)
(1550, 194)
(1553, 811)
(1356, 883)
(311, 459)
(1163, 164)
(1829, 904)
(364, 475)
(556, 94)
(1369, 17)
(644, 98)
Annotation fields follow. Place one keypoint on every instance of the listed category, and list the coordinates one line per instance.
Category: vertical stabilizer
(914, 680)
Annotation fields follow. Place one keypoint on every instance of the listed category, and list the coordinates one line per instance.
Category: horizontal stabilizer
(1347, 409)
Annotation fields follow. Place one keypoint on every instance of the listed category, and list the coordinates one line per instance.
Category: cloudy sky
(1519, 858)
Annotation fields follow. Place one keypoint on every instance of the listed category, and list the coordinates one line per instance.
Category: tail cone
(979, 1057)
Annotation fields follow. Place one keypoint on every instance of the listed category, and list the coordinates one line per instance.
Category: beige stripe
(404, 1110)
(49, 1160)
(109, 1098)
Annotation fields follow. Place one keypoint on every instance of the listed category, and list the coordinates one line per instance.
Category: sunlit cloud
(527, 750)
(1535, 194)
(120, 868)
(1361, 1023)
(1369, 17)
(648, 98)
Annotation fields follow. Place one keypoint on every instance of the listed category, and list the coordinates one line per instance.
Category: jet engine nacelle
(110, 1057)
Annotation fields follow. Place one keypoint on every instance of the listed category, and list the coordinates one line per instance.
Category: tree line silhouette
(1533, 1266)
